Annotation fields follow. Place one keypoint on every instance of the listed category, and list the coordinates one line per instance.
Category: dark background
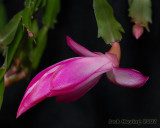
(106, 100)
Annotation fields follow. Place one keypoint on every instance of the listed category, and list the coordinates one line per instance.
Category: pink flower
(71, 79)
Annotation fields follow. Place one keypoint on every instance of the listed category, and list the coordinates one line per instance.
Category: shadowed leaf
(1, 91)
(8, 32)
(3, 16)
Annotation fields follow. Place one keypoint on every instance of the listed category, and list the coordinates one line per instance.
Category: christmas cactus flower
(72, 78)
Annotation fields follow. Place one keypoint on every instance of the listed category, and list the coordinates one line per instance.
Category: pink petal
(75, 72)
(80, 50)
(78, 86)
(127, 77)
(37, 92)
(75, 93)
(39, 87)
(63, 75)
(40, 74)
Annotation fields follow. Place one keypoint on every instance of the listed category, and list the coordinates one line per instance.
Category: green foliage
(40, 46)
(1, 91)
(3, 16)
(9, 53)
(32, 5)
(16, 42)
(39, 4)
(108, 27)
(13, 46)
(2, 72)
(51, 11)
(26, 18)
(8, 32)
(141, 13)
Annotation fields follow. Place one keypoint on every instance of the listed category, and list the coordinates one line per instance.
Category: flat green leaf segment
(108, 27)
(140, 11)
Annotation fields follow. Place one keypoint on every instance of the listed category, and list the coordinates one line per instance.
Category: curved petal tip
(80, 50)
(127, 77)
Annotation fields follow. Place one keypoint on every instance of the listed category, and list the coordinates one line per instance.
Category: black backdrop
(105, 101)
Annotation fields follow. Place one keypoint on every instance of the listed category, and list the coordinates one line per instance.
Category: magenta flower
(71, 79)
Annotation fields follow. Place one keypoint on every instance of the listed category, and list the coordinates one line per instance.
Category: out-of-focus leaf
(3, 15)
(32, 41)
(108, 27)
(26, 47)
(8, 32)
(39, 2)
(26, 18)
(51, 11)
(141, 13)
(34, 5)
(31, 7)
(35, 27)
(3, 68)
(2, 88)
(30, 4)
(2, 72)
(14, 45)
(41, 44)
(43, 3)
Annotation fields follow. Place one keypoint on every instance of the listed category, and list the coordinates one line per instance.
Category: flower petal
(78, 71)
(75, 93)
(127, 77)
(37, 92)
(39, 87)
(80, 50)
(40, 74)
